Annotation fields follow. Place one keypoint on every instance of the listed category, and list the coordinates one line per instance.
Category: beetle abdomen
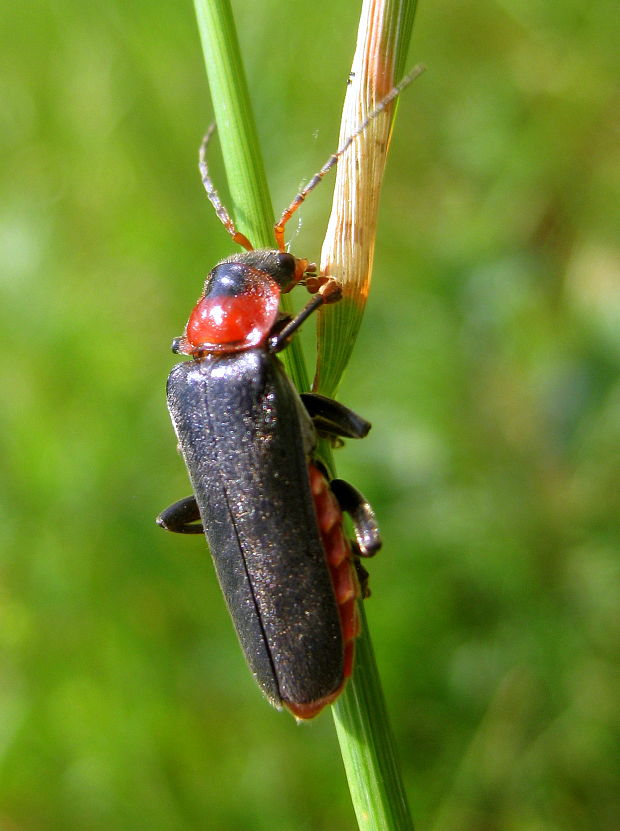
(339, 558)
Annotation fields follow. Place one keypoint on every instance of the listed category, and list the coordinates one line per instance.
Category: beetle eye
(286, 262)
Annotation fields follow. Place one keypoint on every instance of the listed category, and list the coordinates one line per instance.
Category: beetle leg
(362, 516)
(282, 321)
(334, 419)
(280, 340)
(181, 517)
(329, 292)
(361, 572)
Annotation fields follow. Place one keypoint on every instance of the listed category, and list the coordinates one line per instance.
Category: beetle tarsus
(330, 290)
(362, 516)
(362, 574)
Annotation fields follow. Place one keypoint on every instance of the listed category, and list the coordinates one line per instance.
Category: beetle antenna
(314, 181)
(214, 197)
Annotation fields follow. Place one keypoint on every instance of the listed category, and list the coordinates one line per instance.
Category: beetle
(272, 519)
(271, 515)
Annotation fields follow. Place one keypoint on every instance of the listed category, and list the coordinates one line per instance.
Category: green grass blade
(367, 747)
(251, 206)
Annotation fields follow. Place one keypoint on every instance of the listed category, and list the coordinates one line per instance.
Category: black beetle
(272, 519)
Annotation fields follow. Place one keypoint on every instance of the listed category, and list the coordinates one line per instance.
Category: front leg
(181, 517)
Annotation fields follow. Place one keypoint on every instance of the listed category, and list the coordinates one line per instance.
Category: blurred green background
(488, 363)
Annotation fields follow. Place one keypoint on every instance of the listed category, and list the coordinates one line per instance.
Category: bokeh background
(488, 363)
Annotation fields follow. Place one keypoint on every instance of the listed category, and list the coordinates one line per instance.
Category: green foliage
(488, 363)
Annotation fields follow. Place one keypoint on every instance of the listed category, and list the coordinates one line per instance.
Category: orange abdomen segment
(340, 561)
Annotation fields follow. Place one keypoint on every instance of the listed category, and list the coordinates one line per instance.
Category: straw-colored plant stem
(360, 715)
(348, 250)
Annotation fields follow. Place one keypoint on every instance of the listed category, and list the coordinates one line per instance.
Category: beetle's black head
(230, 279)
(283, 268)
